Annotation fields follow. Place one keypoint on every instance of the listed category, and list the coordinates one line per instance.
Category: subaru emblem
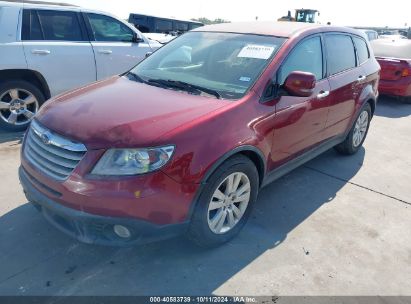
(45, 138)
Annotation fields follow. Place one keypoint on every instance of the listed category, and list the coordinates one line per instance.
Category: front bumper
(96, 229)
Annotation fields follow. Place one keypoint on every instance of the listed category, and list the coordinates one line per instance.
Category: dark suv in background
(184, 141)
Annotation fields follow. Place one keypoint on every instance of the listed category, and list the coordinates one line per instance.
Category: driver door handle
(323, 94)
(40, 52)
(107, 52)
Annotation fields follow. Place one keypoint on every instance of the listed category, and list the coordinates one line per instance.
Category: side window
(106, 28)
(305, 57)
(362, 50)
(57, 25)
(31, 26)
(51, 25)
(164, 26)
(340, 53)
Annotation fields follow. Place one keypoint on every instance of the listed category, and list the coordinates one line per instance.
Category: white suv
(46, 49)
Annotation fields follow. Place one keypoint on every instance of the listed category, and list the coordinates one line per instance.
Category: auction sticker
(256, 51)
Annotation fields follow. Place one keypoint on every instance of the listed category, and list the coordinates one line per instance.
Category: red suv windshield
(223, 62)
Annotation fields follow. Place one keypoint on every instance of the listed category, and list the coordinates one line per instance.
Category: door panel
(299, 123)
(64, 65)
(113, 44)
(113, 58)
(346, 81)
(54, 45)
(344, 91)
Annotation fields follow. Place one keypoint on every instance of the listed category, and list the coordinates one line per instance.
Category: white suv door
(117, 47)
(56, 45)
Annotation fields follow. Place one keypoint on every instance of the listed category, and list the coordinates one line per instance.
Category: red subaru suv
(184, 141)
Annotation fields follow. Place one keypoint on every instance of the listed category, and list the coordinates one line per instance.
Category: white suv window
(106, 28)
(51, 26)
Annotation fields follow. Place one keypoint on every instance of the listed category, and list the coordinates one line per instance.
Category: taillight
(406, 72)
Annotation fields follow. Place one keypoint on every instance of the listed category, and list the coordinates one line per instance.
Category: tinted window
(362, 50)
(164, 26)
(106, 28)
(305, 57)
(340, 53)
(55, 25)
(182, 26)
(31, 26)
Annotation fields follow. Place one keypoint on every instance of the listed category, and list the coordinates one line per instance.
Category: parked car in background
(185, 140)
(152, 24)
(370, 34)
(48, 49)
(394, 58)
(392, 37)
(160, 38)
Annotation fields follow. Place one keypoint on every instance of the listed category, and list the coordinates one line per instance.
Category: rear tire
(406, 100)
(358, 132)
(216, 218)
(19, 102)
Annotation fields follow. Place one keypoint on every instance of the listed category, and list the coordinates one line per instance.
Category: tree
(206, 21)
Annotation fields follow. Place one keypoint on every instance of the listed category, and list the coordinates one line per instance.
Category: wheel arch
(372, 102)
(31, 76)
(251, 152)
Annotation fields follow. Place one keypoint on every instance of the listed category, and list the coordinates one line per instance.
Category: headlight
(132, 161)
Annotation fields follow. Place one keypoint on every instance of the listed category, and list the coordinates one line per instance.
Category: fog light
(122, 231)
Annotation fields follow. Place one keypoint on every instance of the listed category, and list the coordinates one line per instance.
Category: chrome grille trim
(51, 153)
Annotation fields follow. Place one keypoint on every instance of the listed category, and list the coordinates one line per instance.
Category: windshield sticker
(246, 79)
(256, 51)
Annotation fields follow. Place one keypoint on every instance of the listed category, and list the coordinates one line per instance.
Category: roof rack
(40, 2)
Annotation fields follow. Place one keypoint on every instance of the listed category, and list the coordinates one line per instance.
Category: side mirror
(137, 39)
(300, 84)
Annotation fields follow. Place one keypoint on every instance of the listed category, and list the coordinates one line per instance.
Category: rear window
(340, 53)
(362, 50)
(51, 25)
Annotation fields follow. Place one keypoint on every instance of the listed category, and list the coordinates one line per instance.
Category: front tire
(225, 203)
(19, 102)
(358, 132)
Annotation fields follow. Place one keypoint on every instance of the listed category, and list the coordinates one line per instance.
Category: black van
(151, 24)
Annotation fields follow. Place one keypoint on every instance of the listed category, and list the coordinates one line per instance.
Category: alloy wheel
(18, 106)
(229, 203)
(360, 128)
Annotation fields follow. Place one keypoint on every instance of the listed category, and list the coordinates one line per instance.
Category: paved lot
(337, 226)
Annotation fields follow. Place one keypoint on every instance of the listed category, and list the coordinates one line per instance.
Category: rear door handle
(323, 94)
(361, 78)
(107, 52)
(40, 52)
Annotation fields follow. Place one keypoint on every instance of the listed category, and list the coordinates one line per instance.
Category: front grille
(51, 153)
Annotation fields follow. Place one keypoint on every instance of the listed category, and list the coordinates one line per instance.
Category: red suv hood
(121, 113)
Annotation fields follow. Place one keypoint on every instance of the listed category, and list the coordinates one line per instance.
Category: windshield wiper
(135, 77)
(185, 86)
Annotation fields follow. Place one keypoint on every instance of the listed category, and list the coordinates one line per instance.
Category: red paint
(300, 84)
(395, 77)
(122, 113)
